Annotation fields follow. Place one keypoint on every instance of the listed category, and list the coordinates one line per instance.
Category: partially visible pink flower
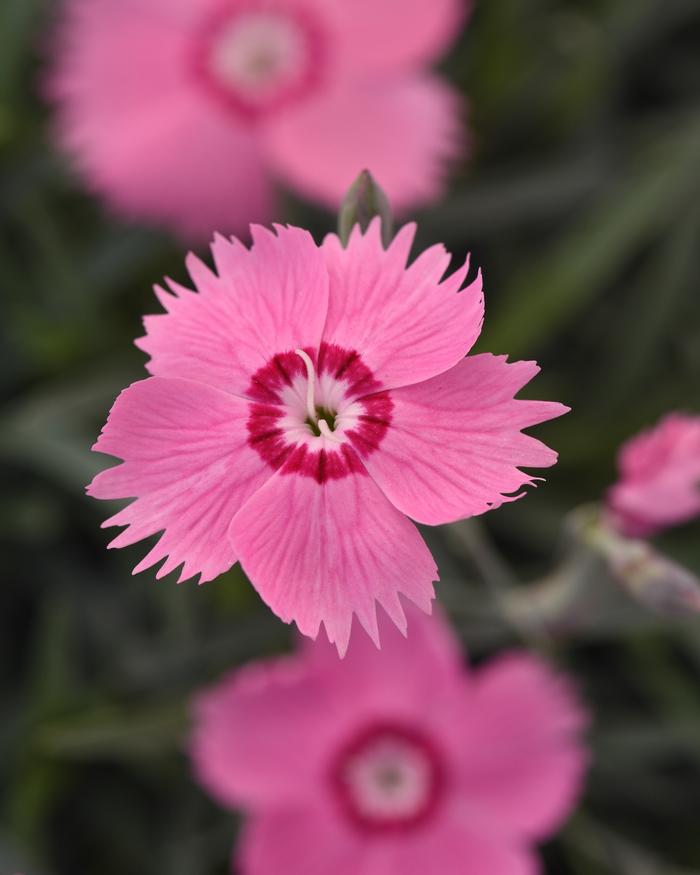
(184, 111)
(659, 483)
(304, 404)
(394, 763)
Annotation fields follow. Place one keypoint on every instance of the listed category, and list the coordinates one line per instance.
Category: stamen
(310, 385)
(325, 430)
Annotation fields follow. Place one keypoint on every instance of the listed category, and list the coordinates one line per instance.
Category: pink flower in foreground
(303, 405)
(659, 483)
(392, 763)
(183, 111)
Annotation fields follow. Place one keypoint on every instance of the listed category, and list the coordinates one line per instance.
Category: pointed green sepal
(365, 201)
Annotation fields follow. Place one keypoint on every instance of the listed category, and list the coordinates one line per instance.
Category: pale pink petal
(405, 131)
(266, 300)
(247, 725)
(454, 444)
(314, 841)
(130, 50)
(187, 464)
(379, 36)
(141, 131)
(319, 552)
(522, 763)
(452, 845)
(309, 840)
(213, 180)
(429, 650)
(408, 325)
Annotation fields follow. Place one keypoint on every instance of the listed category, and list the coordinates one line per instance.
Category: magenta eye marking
(317, 414)
(257, 60)
(389, 777)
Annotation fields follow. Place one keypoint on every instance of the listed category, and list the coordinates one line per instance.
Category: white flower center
(320, 410)
(258, 55)
(390, 779)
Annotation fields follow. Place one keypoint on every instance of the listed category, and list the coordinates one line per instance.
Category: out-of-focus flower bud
(365, 201)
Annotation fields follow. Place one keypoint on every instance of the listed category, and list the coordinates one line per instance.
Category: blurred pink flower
(659, 483)
(392, 763)
(183, 111)
(303, 405)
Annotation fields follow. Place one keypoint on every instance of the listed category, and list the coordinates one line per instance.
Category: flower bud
(364, 201)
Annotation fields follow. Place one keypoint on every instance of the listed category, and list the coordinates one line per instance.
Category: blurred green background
(582, 204)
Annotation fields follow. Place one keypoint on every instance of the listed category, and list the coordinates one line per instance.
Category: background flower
(659, 483)
(292, 421)
(392, 762)
(184, 112)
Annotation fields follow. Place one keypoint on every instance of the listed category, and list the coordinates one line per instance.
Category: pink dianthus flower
(659, 484)
(183, 111)
(304, 404)
(402, 762)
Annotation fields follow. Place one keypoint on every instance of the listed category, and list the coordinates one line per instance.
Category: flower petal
(269, 299)
(141, 130)
(187, 460)
(300, 841)
(404, 130)
(421, 658)
(454, 443)
(452, 846)
(407, 324)
(379, 36)
(319, 552)
(315, 841)
(523, 763)
(246, 726)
